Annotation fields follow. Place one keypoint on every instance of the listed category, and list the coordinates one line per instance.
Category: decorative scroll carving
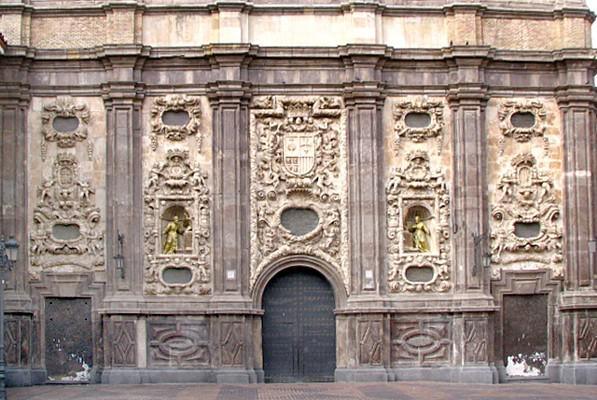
(522, 134)
(421, 342)
(370, 342)
(435, 111)
(17, 341)
(297, 147)
(124, 344)
(525, 197)
(66, 202)
(175, 189)
(414, 191)
(177, 133)
(586, 341)
(475, 341)
(178, 344)
(232, 343)
(64, 107)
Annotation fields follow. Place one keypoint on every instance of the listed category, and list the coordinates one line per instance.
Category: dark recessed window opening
(66, 231)
(527, 229)
(523, 119)
(175, 118)
(299, 221)
(417, 120)
(65, 124)
(419, 274)
(178, 275)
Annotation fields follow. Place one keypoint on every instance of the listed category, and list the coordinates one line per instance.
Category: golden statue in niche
(173, 231)
(420, 235)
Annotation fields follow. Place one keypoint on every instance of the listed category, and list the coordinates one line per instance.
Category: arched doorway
(299, 330)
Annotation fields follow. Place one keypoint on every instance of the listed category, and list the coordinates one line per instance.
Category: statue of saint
(173, 231)
(420, 234)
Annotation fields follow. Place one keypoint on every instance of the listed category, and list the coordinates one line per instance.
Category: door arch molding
(328, 271)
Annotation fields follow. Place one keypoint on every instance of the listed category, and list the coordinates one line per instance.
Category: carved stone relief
(370, 342)
(124, 344)
(421, 342)
(232, 343)
(177, 227)
(526, 228)
(475, 341)
(586, 341)
(176, 103)
(418, 211)
(66, 229)
(17, 341)
(178, 344)
(65, 107)
(430, 128)
(522, 133)
(297, 157)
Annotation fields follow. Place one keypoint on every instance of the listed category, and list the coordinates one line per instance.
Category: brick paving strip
(326, 391)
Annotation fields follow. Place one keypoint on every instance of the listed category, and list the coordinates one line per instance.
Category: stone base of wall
(162, 375)
(477, 374)
(584, 373)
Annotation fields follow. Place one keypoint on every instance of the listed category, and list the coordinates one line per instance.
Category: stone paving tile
(328, 391)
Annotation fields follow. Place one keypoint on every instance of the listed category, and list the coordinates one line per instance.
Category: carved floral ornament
(66, 224)
(296, 147)
(176, 133)
(431, 126)
(416, 193)
(534, 125)
(526, 228)
(176, 190)
(65, 108)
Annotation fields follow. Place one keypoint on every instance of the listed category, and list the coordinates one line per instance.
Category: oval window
(527, 229)
(417, 274)
(66, 231)
(417, 120)
(523, 119)
(175, 118)
(299, 221)
(65, 124)
(177, 275)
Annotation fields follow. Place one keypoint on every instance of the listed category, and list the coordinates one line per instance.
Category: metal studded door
(299, 330)
(69, 344)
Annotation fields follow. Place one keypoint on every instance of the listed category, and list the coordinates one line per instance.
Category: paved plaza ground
(336, 391)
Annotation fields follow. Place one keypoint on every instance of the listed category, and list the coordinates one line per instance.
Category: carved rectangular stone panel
(124, 344)
(232, 344)
(586, 339)
(370, 342)
(17, 341)
(421, 342)
(475, 341)
(178, 344)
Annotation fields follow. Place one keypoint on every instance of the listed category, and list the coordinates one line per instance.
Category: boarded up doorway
(525, 335)
(69, 344)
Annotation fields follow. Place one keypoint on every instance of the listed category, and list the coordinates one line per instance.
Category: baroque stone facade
(420, 176)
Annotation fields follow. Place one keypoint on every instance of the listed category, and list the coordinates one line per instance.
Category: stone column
(124, 186)
(230, 114)
(364, 103)
(467, 99)
(578, 302)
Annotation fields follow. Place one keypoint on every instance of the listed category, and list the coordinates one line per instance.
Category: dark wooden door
(69, 344)
(299, 330)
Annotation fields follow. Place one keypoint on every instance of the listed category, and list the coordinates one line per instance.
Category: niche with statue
(418, 211)
(177, 227)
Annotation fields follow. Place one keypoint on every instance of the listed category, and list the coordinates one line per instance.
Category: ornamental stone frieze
(177, 228)
(418, 119)
(525, 226)
(523, 120)
(66, 234)
(65, 123)
(176, 117)
(298, 182)
(418, 212)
